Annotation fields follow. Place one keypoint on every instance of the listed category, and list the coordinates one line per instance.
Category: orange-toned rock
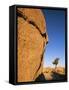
(32, 38)
(34, 15)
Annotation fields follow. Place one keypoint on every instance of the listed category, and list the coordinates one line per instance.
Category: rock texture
(54, 74)
(32, 37)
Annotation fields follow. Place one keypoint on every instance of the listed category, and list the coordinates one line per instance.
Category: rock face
(32, 37)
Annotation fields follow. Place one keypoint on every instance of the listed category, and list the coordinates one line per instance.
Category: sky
(55, 22)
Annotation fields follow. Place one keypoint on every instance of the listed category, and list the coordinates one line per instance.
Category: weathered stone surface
(32, 38)
(34, 15)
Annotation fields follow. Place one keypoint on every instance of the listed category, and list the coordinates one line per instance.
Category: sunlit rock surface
(32, 37)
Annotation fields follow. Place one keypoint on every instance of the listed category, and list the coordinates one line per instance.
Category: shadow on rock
(40, 78)
(57, 76)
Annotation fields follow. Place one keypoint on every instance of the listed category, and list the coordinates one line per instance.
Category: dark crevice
(38, 67)
(34, 24)
(40, 63)
(44, 35)
(41, 77)
(20, 14)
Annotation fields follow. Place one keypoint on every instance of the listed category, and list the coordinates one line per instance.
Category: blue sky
(55, 22)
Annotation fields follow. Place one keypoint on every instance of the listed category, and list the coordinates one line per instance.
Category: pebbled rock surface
(32, 37)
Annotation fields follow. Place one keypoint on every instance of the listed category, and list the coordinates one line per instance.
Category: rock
(34, 15)
(32, 37)
(48, 73)
(54, 74)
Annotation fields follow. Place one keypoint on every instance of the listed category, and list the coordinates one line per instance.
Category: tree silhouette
(55, 62)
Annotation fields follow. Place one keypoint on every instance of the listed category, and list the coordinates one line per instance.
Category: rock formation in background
(32, 37)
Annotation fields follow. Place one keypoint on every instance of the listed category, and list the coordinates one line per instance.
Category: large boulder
(32, 37)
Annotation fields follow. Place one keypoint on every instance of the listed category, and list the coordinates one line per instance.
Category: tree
(55, 62)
